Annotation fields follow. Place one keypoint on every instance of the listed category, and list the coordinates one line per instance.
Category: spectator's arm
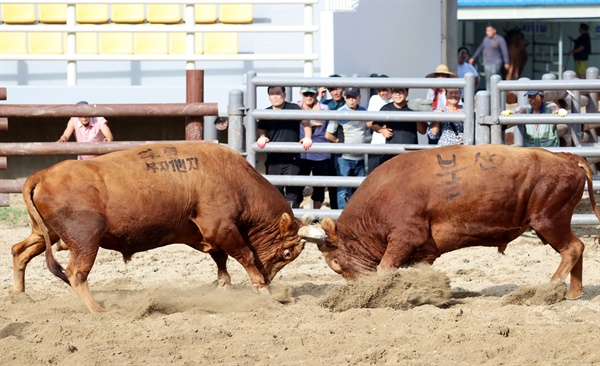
(331, 137)
(262, 138)
(68, 132)
(422, 127)
(307, 140)
(108, 136)
(477, 52)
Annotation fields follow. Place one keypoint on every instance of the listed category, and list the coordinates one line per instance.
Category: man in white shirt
(465, 67)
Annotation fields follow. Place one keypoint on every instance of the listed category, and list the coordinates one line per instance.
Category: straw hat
(442, 69)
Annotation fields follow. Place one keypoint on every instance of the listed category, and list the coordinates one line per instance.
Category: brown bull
(423, 204)
(199, 194)
(517, 54)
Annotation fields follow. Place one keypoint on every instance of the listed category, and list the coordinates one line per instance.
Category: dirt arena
(473, 307)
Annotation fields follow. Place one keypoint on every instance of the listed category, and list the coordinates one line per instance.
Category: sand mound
(403, 289)
(546, 294)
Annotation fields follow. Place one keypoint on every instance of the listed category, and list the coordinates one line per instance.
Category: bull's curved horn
(311, 232)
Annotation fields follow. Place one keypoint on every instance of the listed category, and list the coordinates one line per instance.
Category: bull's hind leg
(223, 277)
(24, 251)
(570, 248)
(77, 271)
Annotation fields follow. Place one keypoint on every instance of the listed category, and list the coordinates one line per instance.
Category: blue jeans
(348, 168)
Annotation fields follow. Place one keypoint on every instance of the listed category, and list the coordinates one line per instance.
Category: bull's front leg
(223, 277)
(401, 247)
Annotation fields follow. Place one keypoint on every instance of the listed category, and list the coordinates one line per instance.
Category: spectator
(399, 132)
(437, 96)
(541, 135)
(87, 129)
(283, 131)
(448, 133)
(465, 67)
(317, 164)
(349, 165)
(336, 102)
(495, 54)
(581, 50)
(383, 97)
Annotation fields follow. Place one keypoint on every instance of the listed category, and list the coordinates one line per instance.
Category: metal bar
(573, 84)
(469, 124)
(584, 219)
(284, 2)
(519, 130)
(108, 110)
(70, 148)
(326, 148)
(314, 181)
(359, 115)
(118, 28)
(250, 120)
(157, 57)
(495, 108)
(194, 93)
(344, 82)
(483, 132)
(11, 185)
(570, 119)
(235, 111)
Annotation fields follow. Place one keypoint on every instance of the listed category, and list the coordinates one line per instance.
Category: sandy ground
(163, 310)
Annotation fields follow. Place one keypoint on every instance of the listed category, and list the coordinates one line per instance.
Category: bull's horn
(311, 232)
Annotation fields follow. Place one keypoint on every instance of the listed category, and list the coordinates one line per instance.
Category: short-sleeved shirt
(333, 106)
(318, 135)
(540, 135)
(90, 133)
(583, 40)
(404, 132)
(466, 68)
(354, 132)
(282, 131)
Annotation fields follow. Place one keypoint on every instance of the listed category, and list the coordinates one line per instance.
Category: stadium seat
(13, 42)
(128, 13)
(205, 13)
(236, 13)
(52, 13)
(91, 13)
(221, 43)
(177, 44)
(18, 13)
(150, 43)
(46, 43)
(86, 43)
(164, 13)
(116, 43)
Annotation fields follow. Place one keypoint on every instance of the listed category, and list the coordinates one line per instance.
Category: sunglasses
(308, 94)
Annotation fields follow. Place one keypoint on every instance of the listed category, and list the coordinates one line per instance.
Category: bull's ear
(285, 223)
(328, 225)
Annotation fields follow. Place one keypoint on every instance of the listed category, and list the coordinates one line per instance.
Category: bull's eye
(287, 254)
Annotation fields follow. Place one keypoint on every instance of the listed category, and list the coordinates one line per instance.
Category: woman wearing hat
(437, 96)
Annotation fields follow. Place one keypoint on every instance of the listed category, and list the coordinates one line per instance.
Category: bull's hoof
(262, 290)
(222, 285)
(575, 295)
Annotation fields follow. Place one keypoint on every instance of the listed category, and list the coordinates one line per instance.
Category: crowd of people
(494, 57)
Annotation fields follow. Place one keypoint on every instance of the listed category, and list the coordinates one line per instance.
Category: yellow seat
(18, 13)
(46, 43)
(91, 13)
(236, 13)
(116, 43)
(86, 43)
(205, 13)
(221, 43)
(177, 43)
(13, 42)
(53, 13)
(164, 13)
(150, 43)
(128, 13)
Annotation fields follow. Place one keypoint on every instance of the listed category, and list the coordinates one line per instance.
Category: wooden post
(194, 126)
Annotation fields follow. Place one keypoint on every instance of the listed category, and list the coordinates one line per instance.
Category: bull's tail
(51, 262)
(583, 164)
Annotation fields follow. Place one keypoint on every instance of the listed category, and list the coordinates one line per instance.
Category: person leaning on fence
(349, 165)
(317, 164)
(448, 133)
(283, 131)
(383, 97)
(398, 132)
(541, 135)
(87, 129)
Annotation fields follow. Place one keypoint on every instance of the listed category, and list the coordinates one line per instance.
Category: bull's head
(291, 238)
(336, 255)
